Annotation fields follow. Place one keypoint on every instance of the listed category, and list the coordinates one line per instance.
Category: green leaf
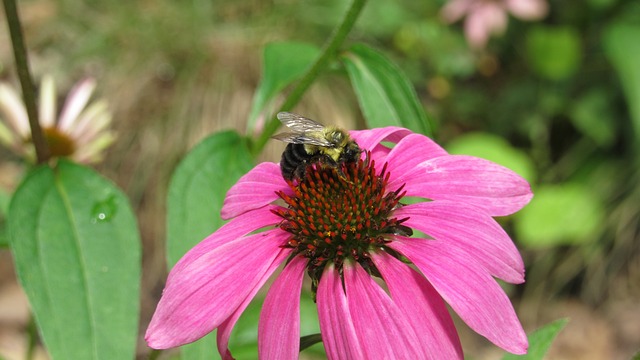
(554, 52)
(592, 115)
(385, 94)
(622, 47)
(496, 149)
(565, 214)
(282, 64)
(76, 247)
(540, 341)
(4, 208)
(203, 349)
(196, 194)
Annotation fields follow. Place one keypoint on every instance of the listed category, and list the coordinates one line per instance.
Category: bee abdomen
(293, 157)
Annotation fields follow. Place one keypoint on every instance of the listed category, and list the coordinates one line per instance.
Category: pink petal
(225, 329)
(527, 9)
(254, 190)
(486, 19)
(76, 101)
(383, 330)
(468, 289)
(423, 307)
(240, 226)
(409, 153)
(469, 180)
(203, 290)
(371, 139)
(471, 230)
(279, 326)
(338, 332)
(454, 10)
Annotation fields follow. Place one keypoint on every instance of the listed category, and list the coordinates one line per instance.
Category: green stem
(32, 331)
(28, 90)
(328, 53)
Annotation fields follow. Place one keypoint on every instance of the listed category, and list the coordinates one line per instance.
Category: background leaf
(77, 252)
(554, 52)
(384, 92)
(196, 193)
(560, 214)
(622, 47)
(540, 341)
(282, 64)
(4, 208)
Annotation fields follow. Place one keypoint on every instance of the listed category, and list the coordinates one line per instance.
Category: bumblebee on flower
(343, 226)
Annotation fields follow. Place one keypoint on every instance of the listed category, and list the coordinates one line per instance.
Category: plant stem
(28, 90)
(327, 54)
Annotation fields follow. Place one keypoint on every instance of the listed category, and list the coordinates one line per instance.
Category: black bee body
(294, 161)
(312, 143)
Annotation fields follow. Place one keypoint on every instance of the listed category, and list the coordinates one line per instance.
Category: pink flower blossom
(489, 17)
(346, 232)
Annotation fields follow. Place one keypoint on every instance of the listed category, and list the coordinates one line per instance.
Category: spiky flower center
(60, 144)
(333, 216)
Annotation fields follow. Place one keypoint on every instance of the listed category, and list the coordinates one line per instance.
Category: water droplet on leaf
(105, 210)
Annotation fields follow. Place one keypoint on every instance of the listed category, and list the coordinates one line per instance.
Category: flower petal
(338, 332)
(454, 10)
(236, 228)
(423, 307)
(527, 9)
(203, 290)
(76, 101)
(95, 118)
(279, 326)
(254, 190)
(409, 152)
(47, 106)
(470, 229)
(486, 19)
(225, 329)
(468, 289)
(14, 111)
(469, 180)
(368, 139)
(382, 328)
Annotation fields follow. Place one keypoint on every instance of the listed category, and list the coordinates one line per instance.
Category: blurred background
(554, 99)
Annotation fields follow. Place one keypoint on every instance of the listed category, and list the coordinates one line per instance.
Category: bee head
(351, 152)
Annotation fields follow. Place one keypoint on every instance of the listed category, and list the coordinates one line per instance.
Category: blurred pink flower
(489, 17)
(344, 232)
(79, 132)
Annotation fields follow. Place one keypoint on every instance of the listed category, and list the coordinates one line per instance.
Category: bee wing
(300, 138)
(298, 123)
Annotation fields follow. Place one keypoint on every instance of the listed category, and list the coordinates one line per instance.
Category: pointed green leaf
(384, 92)
(622, 47)
(282, 64)
(196, 194)
(77, 251)
(540, 341)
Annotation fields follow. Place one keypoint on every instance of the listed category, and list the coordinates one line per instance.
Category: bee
(310, 142)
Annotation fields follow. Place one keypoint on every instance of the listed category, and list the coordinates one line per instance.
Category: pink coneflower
(79, 132)
(489, 17)
(347, 231)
